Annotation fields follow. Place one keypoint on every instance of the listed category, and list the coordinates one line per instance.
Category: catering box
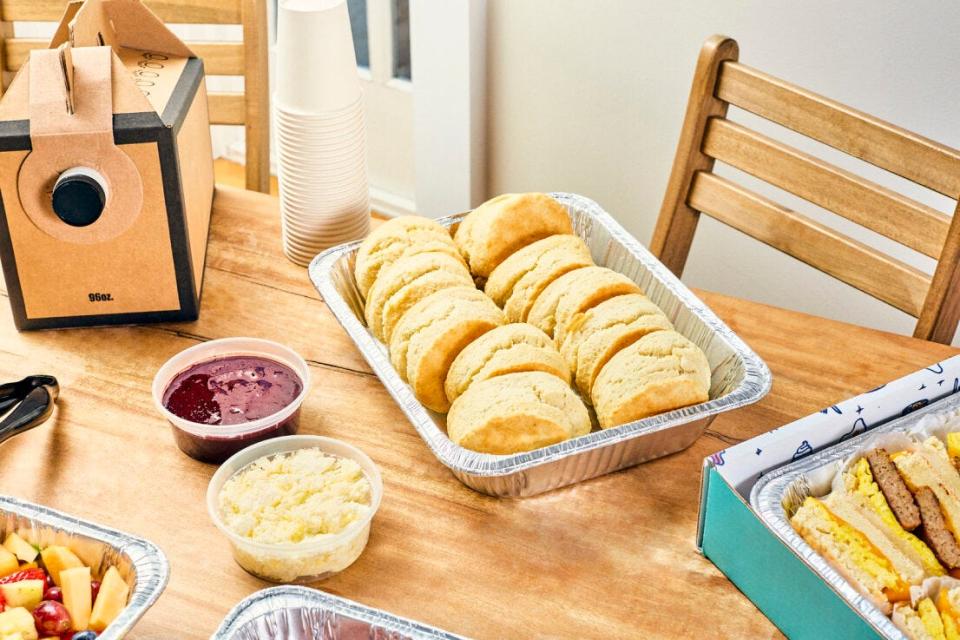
(732, 534)
(106, 173)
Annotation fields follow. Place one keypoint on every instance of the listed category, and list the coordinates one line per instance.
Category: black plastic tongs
(26, 404)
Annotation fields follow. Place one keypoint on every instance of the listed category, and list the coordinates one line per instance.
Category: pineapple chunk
(75, 583)
(8, 562)
(110, 601)
(26, 593)
(56, 559)
(18, 620)
(20, 548)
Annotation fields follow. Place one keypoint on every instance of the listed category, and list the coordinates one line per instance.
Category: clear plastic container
(305, 561)
(216, 443)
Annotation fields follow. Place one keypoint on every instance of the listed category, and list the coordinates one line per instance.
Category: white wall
(589, 97)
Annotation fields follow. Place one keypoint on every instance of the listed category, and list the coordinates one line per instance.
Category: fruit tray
(739, 376)
(777, 496)
(300, 613)
(140, 563)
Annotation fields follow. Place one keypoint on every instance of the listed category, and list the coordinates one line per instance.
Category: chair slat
(219, 58)
(173, 11)
(880, 143)
(226, 108)
(887, 212)
(819, 246)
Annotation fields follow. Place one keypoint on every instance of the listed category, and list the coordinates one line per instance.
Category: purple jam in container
(223, 395)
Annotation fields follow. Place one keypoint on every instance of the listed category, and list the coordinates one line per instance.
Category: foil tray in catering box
(301, 613)
(739, 378)
(777, 496)
(140, 563)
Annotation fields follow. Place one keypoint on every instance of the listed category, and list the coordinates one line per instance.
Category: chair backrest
(708, 136)
(251, 108)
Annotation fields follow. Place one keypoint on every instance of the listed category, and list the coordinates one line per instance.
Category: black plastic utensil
(29, 401)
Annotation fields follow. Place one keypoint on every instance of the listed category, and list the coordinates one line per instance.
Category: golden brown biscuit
(431, 351)
(517, 412)
(419, 317)
(575, 292)
(595, 336)
(511, 348)
(595, 285)
(542, 254)
(660, 372)
(400, 276)
(406, 297)
(505, 224)
(394, 239)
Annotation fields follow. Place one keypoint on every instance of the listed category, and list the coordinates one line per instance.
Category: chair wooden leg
(257, 90)
(677, 223)
(941, 309)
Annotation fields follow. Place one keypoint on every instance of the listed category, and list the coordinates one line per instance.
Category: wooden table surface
(610, 558)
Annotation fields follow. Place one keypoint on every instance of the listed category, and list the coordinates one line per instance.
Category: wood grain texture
(219, 58)
(176, 11)
(935, 301)
(677, 222)
(882, 210)
(610, 558)
(256, 116)
(919, 159)
(941, 309)
(226, 108)
(857, 264)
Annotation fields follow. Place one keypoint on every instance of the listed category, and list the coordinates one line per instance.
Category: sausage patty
(894, 489)
(935, 531)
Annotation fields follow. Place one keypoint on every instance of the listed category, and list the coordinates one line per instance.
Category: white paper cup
(316, 64)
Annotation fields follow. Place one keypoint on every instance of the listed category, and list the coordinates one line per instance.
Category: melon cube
(56, 559)
(8, 562)
(20, 548)
(26, 593)
(111, 600)
(18, 620)
(75, 583)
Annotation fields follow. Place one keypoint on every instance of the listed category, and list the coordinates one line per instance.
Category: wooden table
(610, 558)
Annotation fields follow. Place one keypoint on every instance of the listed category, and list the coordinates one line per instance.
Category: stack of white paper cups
(321, 135)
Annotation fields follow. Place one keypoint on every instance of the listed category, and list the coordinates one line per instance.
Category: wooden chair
(708, 136)
(248, 59)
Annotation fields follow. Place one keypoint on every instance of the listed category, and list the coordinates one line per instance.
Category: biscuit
(400, 276)
(575, 292)
(432, 350)
(505, 224)
(553, 252)
(406, 297)
(595, 336)
(394, 239)
(660, 372)
(511, 348)
(517, 412)
(420, 316)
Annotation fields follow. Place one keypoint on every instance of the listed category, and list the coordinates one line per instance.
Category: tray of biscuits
(533, 343)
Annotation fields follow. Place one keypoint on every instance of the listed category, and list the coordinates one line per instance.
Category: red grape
(53, 593)
(94, 590)
(51, 617)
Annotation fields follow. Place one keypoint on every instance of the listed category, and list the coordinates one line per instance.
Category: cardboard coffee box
(106, 173)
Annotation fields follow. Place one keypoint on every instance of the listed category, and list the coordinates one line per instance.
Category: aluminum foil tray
(739, 376)
(301, 613)
(777, 496)
(140, 563)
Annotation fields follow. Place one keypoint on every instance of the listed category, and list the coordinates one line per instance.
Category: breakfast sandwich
(860, 545)
(929, 473)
